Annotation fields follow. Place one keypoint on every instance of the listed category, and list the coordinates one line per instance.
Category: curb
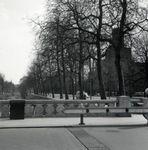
(74, 126)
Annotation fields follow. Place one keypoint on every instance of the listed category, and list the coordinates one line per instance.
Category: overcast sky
(16, 36)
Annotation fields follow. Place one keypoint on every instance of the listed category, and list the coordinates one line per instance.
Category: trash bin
(17, 109)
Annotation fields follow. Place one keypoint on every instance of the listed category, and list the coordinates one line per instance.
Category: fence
(55, 108)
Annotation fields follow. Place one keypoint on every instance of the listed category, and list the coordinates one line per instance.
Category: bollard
(81, 120)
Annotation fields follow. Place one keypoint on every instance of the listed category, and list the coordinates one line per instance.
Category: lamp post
(146, 67)
(146, 64)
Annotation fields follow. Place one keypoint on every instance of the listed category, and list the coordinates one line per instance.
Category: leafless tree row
(75, 35)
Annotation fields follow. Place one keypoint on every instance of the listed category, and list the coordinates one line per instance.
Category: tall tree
(128, 19)
(87, 18)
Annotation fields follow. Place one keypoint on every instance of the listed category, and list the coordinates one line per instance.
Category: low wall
(54, 108)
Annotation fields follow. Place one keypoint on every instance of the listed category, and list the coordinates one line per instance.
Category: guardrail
(55, 108)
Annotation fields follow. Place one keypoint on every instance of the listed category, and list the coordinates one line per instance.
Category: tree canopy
(76, 34)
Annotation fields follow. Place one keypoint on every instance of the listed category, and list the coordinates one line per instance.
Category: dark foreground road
(75, 138)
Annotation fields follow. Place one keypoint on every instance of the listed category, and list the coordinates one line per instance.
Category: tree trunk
(64, 76)
(119, 72)
(60, 82)
(58, 65)
(119, 47)
(73, 89)
(80, 67)
(52, 91)
(99, 70)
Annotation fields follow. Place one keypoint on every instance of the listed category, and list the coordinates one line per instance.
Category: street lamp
(146, 65)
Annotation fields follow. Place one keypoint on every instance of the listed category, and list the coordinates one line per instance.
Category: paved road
(122, 138)
(106, 138)
(108, 133)
(38, 139)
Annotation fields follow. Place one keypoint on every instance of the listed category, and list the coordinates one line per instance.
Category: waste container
(17, 109)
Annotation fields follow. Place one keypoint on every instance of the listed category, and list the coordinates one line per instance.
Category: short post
(146, 92)
(124, 101)
(81, 120)
(145, 105)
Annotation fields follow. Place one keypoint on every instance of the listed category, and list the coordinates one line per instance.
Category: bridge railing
(54, 108)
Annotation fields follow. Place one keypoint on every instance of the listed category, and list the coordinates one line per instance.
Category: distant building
(109, 68)
(133, 72)
(1, 85)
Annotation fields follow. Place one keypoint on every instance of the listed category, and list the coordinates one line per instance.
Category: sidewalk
(73, 122)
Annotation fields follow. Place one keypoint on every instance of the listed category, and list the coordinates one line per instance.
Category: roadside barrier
(121, 106)
(123, 111)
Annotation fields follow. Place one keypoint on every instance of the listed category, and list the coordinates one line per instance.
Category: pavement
(98, 133)
(57, 122)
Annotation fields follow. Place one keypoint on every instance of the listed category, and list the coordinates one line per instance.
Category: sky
(17, 37)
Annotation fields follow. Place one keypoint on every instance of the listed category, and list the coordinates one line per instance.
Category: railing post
(81, 120)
